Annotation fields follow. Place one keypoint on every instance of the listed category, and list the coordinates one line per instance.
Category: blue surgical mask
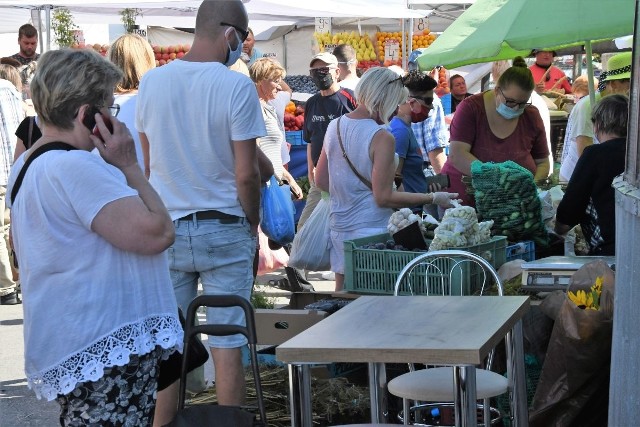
(509, 113)
(234, 55)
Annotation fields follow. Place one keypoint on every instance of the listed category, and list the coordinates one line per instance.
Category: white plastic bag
(311, 245)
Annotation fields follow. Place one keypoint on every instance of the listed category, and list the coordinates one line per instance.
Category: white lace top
(87, 304)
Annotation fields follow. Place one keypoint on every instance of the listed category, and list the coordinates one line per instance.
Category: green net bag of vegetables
(506, 193)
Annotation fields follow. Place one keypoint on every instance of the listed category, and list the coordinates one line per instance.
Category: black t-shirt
(319, 111)
(591, 180)
(23, 132)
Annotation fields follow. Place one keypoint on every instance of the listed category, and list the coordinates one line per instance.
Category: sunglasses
(243, 33)
(114, 110)
(321, 70)
(427, 101)
(512, 103)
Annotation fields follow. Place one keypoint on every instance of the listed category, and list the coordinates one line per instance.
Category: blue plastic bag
(276, 217)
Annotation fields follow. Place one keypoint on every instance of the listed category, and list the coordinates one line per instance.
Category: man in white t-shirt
(199, 122)
(579, 132)
(347, 64)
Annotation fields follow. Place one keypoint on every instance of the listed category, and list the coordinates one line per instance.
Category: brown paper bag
(574, 383)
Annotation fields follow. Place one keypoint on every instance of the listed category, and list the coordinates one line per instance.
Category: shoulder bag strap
(30, 137)
(364, 180)
(350, 98)
(57, 145)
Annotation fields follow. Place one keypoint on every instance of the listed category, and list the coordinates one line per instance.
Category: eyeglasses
(243, 33)
(399, 79)
(512, 103)
(427, 101)
(114, 110)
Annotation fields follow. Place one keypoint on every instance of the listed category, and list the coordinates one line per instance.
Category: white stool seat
(436, 385)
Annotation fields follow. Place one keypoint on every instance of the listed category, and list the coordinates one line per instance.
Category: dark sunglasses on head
(243, 33)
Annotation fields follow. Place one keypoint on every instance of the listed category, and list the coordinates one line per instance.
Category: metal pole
(589, 55)
(47, 14)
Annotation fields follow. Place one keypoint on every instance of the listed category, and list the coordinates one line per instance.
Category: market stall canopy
(492, 30)
(181, 13)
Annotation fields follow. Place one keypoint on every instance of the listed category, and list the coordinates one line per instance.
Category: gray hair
(69, 78)
(611, 115)
(381, 90)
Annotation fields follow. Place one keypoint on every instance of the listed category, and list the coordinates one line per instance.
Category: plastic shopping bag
(277, 210)
(310, 249)
(270, 260)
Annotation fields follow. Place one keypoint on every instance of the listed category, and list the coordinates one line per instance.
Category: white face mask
(234, 55)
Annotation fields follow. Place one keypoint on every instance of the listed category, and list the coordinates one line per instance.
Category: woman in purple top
(496, 126)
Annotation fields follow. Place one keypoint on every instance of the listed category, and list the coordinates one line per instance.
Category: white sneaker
(329, 275)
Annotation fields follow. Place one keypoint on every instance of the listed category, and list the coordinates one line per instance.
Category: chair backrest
(249, 331)
(447, 272)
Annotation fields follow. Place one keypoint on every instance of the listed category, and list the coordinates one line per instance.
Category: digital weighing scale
(554, 272)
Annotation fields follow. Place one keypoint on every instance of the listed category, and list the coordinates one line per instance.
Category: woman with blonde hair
(357, 166)
(134, 56)
(267, 74)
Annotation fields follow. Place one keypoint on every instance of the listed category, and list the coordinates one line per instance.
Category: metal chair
(447, 272)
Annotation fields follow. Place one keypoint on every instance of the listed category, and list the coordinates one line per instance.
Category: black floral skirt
(124, 396)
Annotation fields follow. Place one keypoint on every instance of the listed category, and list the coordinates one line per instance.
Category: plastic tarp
(181, 13)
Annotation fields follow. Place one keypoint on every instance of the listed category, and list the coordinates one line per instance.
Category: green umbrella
(492, 30)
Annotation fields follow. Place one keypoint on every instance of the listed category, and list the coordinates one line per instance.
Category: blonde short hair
(266, 69)
(66, 79)
(11, 73)
(381, 90)
(581, 85)
(134, 56)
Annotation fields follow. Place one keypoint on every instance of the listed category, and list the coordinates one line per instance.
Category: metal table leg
(378, 392)
(464, 383)
(519, 405)
(300, 395)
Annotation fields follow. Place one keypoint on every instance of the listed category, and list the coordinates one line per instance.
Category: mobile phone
(442, 179)
(90, 122)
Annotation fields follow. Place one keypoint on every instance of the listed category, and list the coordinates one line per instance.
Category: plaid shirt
(11, 114)
(591, 229)
(432, 133)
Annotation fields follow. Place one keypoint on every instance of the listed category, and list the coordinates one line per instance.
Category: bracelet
(429, 202)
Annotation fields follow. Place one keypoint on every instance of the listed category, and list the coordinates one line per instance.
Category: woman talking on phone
(90, 234)
(498, 125)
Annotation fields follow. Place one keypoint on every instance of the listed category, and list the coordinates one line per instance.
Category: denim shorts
(221, 256)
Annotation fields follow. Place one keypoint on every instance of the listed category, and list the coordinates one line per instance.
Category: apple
(186, 48)
(163, 49)
(161, 62)
(156, 49)
(171, 49)
(179, 54)
(157, 63)
(165, 56)
(172, 56)
(158, 55)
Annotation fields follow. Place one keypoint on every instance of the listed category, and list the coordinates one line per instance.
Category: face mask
(421, 115)
(509, 113)
(233, 55)
(323, 81)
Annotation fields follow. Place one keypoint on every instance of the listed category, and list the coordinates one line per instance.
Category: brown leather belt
(212, 214)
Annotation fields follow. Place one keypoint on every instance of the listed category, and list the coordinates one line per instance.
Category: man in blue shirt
(432, 135)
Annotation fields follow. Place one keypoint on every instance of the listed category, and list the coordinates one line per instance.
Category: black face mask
(323, 81)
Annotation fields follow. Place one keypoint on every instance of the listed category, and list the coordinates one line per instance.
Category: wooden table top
(390, 329)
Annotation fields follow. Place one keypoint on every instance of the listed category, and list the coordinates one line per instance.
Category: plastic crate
(375, 271)
(294, 137)
(523, 250)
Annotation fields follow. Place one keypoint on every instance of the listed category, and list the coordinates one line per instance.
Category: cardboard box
(274, 327)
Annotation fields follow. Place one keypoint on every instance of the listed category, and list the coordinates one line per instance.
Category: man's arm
(583, 142)
(437, 159)
(248, 180)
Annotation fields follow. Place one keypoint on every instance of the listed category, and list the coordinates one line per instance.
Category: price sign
(269, 55)
(323, 25)
(419, 25)
(391, 50)
(141, 31)
(329, 47)
(78, 36)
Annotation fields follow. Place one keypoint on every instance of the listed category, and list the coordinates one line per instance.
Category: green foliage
(128, 17)
(63, 27)
(261, 300)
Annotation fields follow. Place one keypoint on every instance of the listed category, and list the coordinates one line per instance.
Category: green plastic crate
(375, 271)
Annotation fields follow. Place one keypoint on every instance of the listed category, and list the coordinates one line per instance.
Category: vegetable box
(375, 271)
(523, 250)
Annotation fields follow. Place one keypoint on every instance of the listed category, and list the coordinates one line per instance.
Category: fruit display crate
(523, 250)
(375, 271)
(294, 137)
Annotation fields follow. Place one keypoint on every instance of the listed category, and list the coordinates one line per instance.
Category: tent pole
(47, 14)
(40, 35)
(589, 57)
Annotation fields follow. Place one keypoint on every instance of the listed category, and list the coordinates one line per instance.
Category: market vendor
(547, 76)
(590, 198)
(498, 125)
(250, 53)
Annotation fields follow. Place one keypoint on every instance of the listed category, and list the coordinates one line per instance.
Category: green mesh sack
(506, 193)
